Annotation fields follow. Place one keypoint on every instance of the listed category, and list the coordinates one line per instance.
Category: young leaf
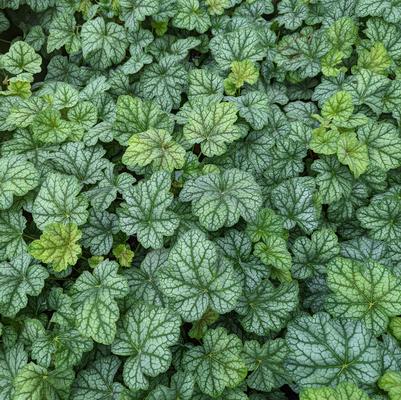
(57, 246)
(343, 391)
(353, 153)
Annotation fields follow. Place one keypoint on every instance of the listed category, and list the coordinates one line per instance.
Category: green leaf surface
(145, 211)
(18, 279)
(324, 351)
(217, 364)
(145, 335)
(197, 278)
(367, 292)
(57, 246)
(220, 199)
(94, 300)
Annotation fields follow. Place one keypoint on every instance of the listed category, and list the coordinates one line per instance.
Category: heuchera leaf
(220, 199)
(59, 201)
(217, 363)
(94, 297)
(200, 199)
(332, 351)
(145, 211)
(57, 246)
(35, 382)
(19, 279)
(199, 278)
(145, 335)
(17, 177)
(366, 292)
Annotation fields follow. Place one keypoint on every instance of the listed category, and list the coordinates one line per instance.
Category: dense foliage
(200, 199)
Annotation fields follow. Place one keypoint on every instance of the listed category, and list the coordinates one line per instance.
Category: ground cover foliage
(200, 199)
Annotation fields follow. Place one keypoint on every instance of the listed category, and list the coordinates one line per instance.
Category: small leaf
(353, 153)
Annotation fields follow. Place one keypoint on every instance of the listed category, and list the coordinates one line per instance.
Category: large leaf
(145, 335)
(12, 225)
(134, 116)
(267, 308)
(17, 177)
(145, 210)
(96, 382)
(382, 218)
(155, 147)
(343, 391)
(266, 363)
(94, 299)
(324, 351)
(197, 277)
(383, 143)
(220, 199)
(59, 201)
(35, 382)
(12, 360)
(21, 57)
(103, 43)
(216, 364)
(18, 279)
(367, 292)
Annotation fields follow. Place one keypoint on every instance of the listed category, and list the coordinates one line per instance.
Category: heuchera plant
(200, 199)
